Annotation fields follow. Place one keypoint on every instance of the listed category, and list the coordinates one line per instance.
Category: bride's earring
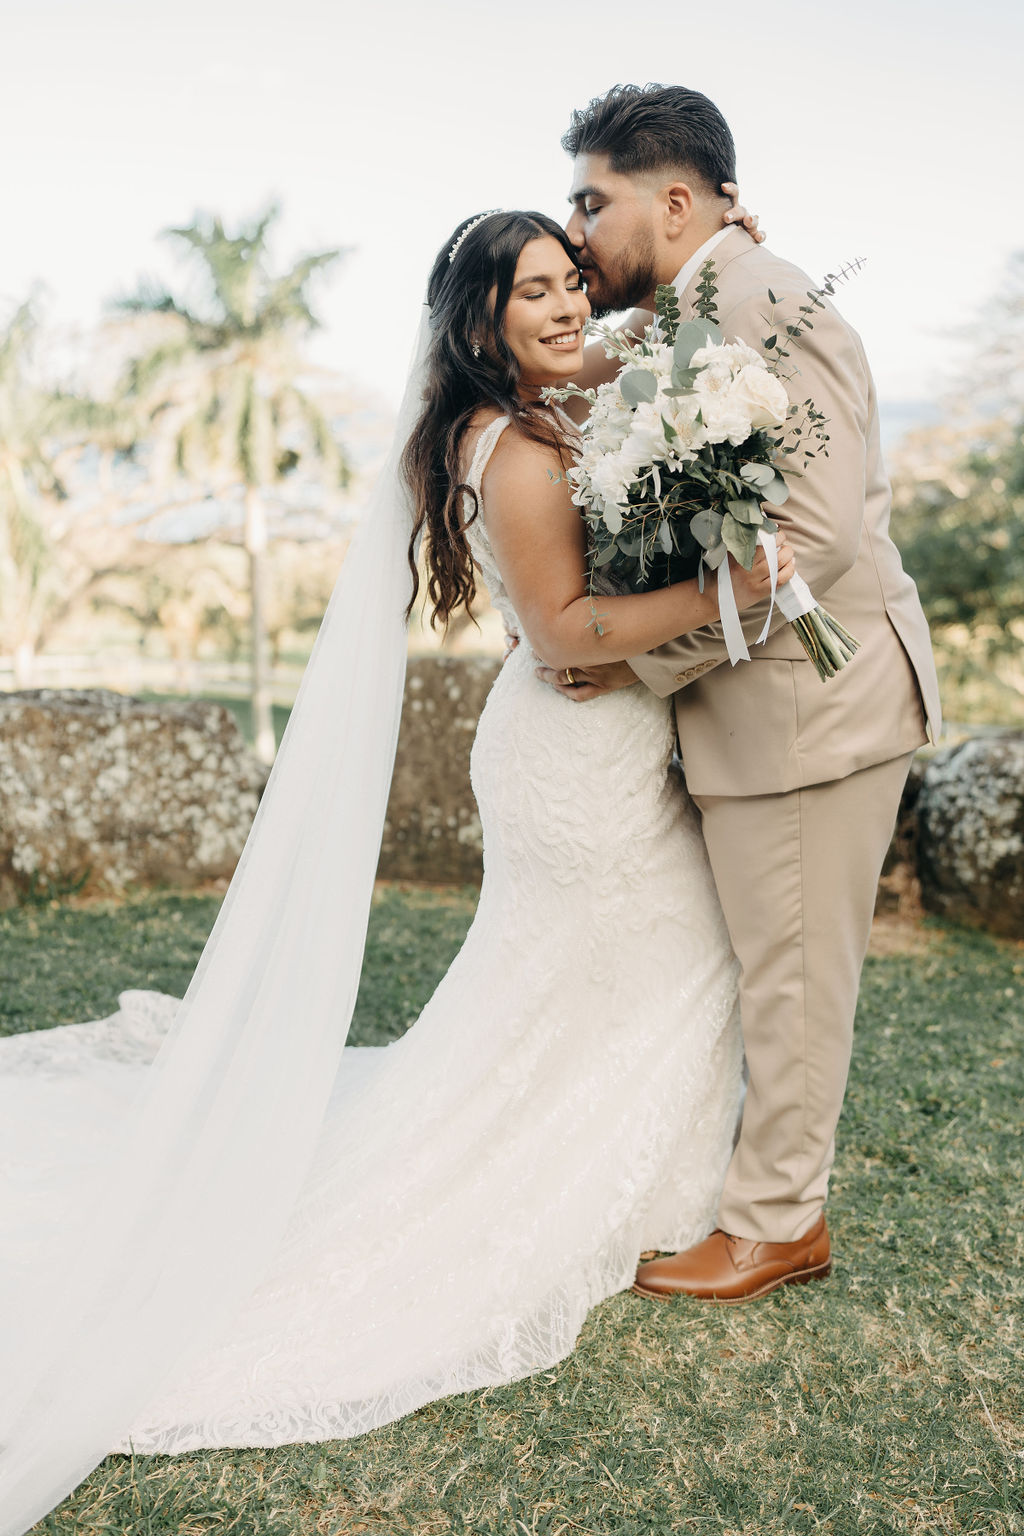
(476, 349)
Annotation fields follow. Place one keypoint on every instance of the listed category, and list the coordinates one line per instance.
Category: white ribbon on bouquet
(793, 600)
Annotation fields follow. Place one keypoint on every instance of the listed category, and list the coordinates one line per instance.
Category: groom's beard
(626, 286)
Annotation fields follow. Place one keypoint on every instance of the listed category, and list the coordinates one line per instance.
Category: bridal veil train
(222, 1229)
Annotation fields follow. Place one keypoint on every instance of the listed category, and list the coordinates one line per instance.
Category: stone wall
(970, 819)
(958, 848)
(106, 792)
(100, 793)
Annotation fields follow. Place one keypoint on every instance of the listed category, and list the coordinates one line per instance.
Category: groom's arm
(825, 512)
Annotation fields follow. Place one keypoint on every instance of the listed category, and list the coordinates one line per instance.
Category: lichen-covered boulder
(433, 828)
(899, 889)
(103, 792)
(971, 833)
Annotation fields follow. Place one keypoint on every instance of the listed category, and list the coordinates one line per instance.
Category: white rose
(726, 418)
(762, 396)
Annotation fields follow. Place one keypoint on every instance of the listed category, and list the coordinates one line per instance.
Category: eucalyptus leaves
(683, 449)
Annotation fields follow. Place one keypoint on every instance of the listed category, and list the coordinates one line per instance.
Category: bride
(220, 1228)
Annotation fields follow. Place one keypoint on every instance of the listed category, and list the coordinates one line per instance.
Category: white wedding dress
(567, 1098)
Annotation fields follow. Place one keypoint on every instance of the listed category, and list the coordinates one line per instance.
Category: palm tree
(220, 393)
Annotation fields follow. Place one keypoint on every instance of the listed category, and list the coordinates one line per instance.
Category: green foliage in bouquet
(707, 292)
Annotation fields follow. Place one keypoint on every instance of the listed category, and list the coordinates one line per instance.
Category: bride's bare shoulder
(515, 454)
(520, 464)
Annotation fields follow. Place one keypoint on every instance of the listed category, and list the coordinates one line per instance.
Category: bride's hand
(587, 682)
(750, 587)
(738, 214)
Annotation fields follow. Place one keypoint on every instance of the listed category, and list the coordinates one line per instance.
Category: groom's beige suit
(797, 780)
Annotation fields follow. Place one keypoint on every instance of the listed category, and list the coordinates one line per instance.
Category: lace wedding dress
(567, 1098)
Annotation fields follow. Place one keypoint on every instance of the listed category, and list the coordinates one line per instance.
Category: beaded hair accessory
(469, 229)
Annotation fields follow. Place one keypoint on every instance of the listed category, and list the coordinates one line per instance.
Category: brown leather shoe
(735, 1269)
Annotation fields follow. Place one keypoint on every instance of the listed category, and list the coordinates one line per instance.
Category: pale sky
(887, 130)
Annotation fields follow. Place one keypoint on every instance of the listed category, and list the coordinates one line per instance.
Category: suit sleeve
(825, 512)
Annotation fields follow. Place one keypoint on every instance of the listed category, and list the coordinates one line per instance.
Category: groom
(797, 781)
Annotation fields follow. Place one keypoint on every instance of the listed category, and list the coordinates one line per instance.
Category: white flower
(726, 418)
(661, 360)
(682, 413)
(762, 395)
(646, 442)
(610, 480)
(609, 422)
(727, 355)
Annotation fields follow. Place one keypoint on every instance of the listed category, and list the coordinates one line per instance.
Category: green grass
(887, 1400)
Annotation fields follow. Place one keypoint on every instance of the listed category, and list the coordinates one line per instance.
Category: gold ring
(569, 676)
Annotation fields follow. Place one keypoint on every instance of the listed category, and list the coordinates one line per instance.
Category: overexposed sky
(889, 130)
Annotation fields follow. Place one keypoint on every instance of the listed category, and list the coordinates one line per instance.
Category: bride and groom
(310, 1242)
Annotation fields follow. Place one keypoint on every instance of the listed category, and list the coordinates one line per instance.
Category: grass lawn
(889, 1399)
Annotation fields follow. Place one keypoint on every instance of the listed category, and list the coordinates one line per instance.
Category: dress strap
(485, 445)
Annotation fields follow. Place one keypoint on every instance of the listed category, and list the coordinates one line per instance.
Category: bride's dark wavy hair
(457, 384)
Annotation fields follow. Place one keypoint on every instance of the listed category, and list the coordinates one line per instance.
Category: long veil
(176, 1226)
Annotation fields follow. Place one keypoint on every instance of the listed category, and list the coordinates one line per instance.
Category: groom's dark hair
(644, 128)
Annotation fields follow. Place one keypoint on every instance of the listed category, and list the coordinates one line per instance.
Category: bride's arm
(537, 537)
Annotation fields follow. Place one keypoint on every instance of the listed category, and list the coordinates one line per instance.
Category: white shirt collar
(697, 260)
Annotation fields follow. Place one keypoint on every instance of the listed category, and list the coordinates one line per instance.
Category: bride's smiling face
(543, 322)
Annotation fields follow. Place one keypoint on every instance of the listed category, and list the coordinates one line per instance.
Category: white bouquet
(679, 454)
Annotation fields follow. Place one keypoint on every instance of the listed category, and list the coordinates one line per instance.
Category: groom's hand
(583, 683)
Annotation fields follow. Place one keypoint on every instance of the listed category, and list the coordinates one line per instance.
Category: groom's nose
(574, 229)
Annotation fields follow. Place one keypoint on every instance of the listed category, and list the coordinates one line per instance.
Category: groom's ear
(678, 202)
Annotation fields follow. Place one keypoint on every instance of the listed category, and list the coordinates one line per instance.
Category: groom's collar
(688, 271)
(727, 244)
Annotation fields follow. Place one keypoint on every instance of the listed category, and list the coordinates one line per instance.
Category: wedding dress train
(567, 1098)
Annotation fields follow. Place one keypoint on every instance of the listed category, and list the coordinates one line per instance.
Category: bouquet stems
(826, 642)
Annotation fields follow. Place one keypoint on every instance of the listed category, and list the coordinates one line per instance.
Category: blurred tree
(994, 376)
(958, 514)
(29, 487)
(184, 595)
(53, 550)
(960, 526)
(219, 392)
(300, 588)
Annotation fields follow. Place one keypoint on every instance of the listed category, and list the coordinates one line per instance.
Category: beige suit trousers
(797, 874)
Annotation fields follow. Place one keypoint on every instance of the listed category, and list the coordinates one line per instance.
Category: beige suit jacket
(771, 724)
